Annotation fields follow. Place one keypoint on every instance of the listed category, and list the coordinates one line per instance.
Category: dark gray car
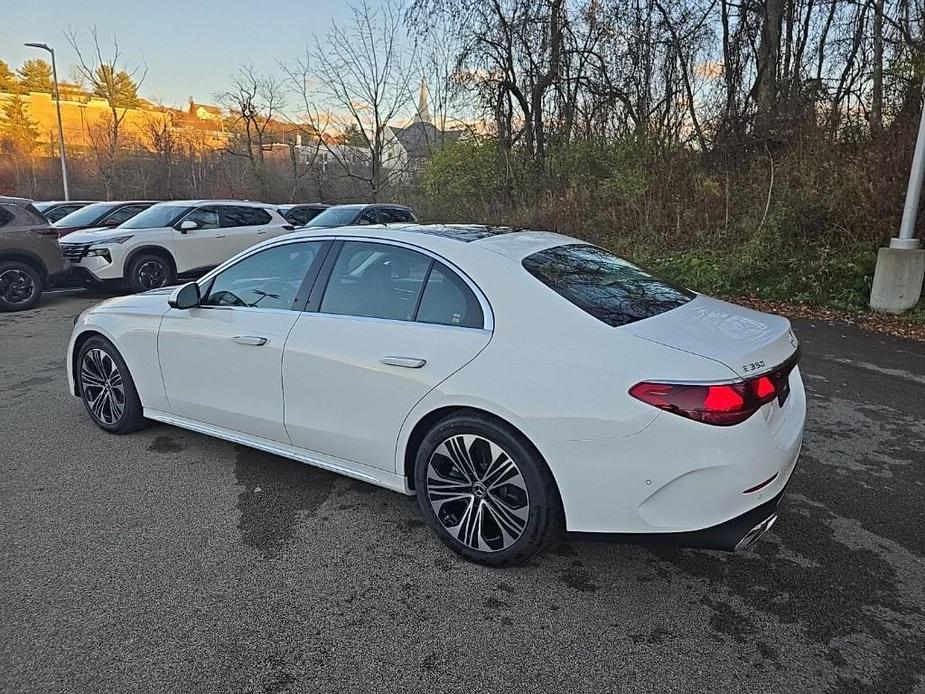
(375, 213)
(29, 254)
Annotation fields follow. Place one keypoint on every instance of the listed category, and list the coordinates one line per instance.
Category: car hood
(100, 234)
(153, 302)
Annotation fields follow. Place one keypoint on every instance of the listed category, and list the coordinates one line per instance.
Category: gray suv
(29, 254)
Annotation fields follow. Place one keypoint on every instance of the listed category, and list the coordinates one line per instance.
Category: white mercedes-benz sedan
(518, 382)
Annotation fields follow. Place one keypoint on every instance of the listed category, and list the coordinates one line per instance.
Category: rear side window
(390, 215)
(244, 216)
(598, 282)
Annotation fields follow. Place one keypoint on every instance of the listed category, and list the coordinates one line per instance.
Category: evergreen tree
(8, 82)
(117, 87)
(19, 134)
(35, 76)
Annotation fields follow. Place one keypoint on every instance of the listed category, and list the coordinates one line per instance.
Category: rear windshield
(609, 288)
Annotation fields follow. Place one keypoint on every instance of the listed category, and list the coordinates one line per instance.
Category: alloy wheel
(102, 386)
(16, 286)
(152, 274)
(477, 492)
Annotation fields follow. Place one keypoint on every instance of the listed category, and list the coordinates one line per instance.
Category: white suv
(170, 240)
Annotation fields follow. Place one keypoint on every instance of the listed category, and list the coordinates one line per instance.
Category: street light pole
(906, 239)
(54, 73)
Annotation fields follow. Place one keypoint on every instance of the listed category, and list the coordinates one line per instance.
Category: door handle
(252, 340)
(219, 236)
(262, 231)
(406, 362)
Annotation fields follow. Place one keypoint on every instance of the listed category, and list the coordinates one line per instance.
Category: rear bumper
(736, 534)
(678, 476)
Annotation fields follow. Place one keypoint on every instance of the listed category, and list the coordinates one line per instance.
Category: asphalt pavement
(169, 561)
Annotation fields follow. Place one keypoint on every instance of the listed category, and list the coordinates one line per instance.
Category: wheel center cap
(478, 489)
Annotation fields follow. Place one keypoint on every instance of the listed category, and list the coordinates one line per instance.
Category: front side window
(368, 217)
(375, 280)
(268, 279)
(604, 285)
(205, 218)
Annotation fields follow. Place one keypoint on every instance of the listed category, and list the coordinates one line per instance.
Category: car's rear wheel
(485, 491)
(107, 388)
(150, 271)
(20, 286)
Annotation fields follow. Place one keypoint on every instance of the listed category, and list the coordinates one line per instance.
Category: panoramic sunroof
(463, 232)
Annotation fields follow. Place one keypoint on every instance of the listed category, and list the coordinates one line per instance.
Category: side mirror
(111, 223)
(188, 225)
(185, 297)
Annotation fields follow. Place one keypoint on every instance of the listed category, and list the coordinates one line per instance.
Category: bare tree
(109, 79)
(364, 78)
(255, 102)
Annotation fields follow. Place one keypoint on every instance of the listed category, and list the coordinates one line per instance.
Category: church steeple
(423, 114)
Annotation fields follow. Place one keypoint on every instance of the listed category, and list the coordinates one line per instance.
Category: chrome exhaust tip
(755, 534)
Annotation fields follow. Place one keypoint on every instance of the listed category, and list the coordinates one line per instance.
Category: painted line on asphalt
(867, 366)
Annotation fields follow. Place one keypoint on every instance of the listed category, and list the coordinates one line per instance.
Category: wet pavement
(168, 561)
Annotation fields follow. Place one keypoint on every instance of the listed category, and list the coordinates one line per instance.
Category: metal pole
(54, 72)
(906, 238)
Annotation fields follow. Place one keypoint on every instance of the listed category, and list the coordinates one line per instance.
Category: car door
(364, 353)
(203, 247)
(243, 226)
(220, 361)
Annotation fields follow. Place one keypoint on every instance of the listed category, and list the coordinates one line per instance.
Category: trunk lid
(748, 342)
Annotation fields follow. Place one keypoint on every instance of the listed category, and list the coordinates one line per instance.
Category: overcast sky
(190, 48)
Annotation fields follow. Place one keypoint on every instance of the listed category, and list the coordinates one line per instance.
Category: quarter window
(5, 216)
(375, 280)
(268, 279)
(448, 300)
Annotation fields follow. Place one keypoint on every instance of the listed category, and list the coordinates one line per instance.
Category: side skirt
(364, 473)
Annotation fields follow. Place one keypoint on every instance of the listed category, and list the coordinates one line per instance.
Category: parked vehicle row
(146, 244)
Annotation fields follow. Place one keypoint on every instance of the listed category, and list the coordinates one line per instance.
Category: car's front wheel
(20, 286)
(107, 388)
(485, 491)
(150, 271)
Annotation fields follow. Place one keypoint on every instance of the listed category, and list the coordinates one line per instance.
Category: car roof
(65, 202)
(195, 203)
(308, 205)
(512, 242)
(22, 202)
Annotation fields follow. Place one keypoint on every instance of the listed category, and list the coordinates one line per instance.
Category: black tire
(20, 286)
(90, 378)
(482, 540)
(150, 271)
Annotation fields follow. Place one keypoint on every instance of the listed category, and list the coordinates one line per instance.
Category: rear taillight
(44, 231)
(721, 404)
